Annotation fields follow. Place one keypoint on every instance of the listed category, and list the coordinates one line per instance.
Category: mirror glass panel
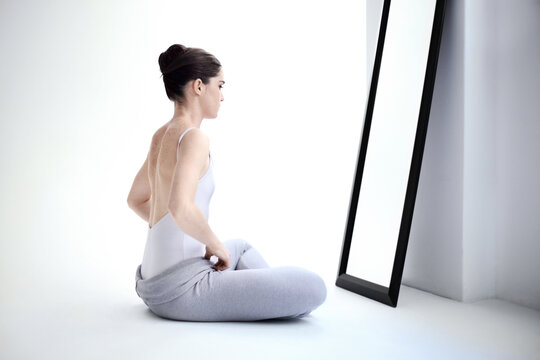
(391, 140)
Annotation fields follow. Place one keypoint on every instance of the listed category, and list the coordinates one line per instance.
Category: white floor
(36, 324)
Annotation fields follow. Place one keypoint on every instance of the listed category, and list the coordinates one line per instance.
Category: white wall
(479, 160)
(517, 109)
(474, 233)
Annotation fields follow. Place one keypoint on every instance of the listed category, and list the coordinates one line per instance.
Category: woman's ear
(197, 86)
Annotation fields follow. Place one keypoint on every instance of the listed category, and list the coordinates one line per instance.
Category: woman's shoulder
(194, 139)
(171, 132)
(159, 133)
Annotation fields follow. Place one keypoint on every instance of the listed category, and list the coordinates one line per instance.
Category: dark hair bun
(174, 52)
(180, 64)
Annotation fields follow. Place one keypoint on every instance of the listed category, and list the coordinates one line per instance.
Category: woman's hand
(223, 255)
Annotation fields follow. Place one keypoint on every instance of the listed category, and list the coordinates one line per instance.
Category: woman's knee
(310, 289)
(318, 288)
(314, 285)
(241, 245)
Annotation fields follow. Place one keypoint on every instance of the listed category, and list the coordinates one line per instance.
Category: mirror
(391, 149)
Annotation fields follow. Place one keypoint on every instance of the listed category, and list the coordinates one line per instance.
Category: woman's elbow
(177, 209)
(130, 202)
(133, 201)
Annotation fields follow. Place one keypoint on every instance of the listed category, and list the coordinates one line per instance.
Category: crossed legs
(248, 290)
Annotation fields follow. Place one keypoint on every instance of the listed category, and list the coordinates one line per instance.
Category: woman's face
(213, 96)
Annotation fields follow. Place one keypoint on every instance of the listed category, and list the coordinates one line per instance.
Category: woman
(172, 192)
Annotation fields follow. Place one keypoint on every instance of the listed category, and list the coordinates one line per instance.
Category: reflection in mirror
(393, 138)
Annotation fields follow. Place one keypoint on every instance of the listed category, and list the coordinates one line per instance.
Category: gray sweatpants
(248, 290)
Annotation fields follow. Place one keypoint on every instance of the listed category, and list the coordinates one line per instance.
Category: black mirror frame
(389, 295)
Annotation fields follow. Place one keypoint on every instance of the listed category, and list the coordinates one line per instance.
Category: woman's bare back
(161, 164)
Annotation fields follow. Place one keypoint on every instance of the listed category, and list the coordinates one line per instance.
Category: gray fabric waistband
(173, 282)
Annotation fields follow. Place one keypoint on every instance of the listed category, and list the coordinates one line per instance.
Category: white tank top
(166, 243)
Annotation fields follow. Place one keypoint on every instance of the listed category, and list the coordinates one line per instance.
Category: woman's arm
(184, 183)
(139, 196)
